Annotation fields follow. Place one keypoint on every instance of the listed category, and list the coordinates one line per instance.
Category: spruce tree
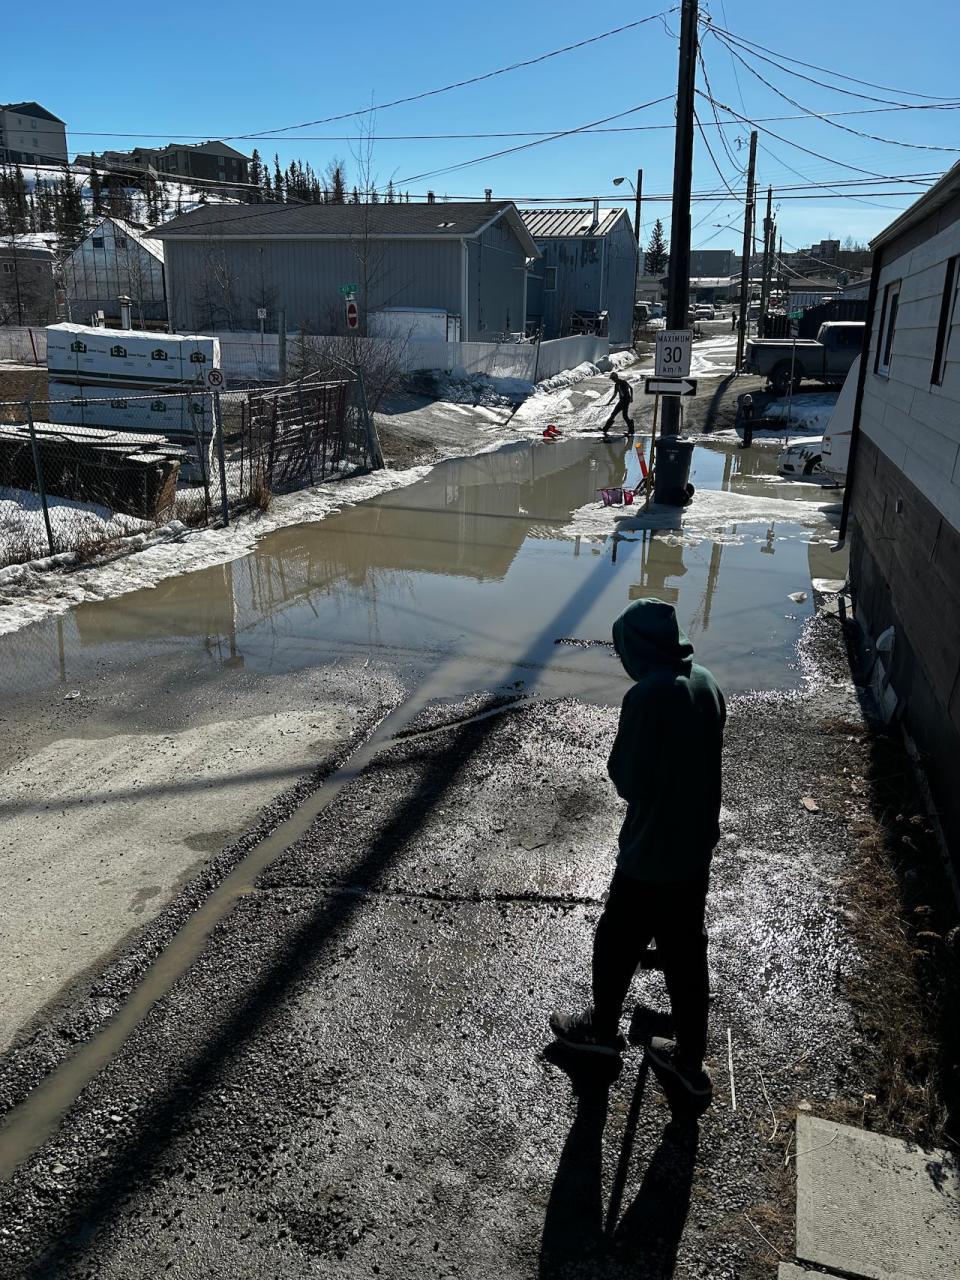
(278, 184)
(657, 255)
(391, 194)
(96, 191)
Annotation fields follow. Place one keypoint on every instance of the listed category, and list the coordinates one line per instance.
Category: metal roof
(941, 193)
(423, 220)
(545, 224)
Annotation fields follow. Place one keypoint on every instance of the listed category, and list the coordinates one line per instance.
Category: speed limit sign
(215, 380)
(673, 353)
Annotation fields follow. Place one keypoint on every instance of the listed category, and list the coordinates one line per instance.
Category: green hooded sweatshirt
(665, 760)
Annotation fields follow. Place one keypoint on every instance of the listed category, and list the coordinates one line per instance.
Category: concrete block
(874, 1206)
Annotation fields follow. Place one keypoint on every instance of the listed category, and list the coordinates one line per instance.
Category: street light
(637, 189)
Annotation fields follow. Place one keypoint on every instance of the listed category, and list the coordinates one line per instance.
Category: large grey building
(224, 262)
(584, 280)
(30, 134)
(112, 260)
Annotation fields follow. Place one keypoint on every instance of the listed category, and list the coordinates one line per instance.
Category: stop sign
(353, 315)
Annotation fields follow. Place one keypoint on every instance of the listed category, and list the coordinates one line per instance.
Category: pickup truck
(826, 359)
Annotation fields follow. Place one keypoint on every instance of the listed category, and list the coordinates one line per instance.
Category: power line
(871, 137)
(870, 173)
(950, 105)
(564, 133)
(728, 40)
(706, 143)
(812, 66)
(458, 84)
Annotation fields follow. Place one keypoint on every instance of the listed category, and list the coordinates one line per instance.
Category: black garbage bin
(672, 474)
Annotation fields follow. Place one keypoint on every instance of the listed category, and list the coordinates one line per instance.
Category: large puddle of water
(472, 563)
(468, 578)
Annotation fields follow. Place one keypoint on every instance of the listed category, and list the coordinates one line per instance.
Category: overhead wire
(459, 84)
(563, 133)
(859, 133)
(812, 66)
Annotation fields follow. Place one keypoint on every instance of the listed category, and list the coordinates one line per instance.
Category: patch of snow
(713, 357)
(810, 413)
(708, 517)
(22, 528)
(39, 591)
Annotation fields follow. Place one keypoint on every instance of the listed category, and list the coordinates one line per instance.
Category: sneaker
(576, 1031)
(695, 1080)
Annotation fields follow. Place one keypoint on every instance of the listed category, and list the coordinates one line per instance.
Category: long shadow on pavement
(69, 1228)
(580, 1239)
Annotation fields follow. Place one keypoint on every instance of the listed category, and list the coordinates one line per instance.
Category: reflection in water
(467, 562)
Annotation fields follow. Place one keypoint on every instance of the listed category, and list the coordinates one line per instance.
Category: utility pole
(767, 254)
(638, 196)
(781, 281)
(745, 260)
(678, 297)
(638, 193)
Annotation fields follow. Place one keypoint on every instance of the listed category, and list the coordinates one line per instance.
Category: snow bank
(174, 549)
(808, 413)
(23, 532)
(708, 516)
(714, 357)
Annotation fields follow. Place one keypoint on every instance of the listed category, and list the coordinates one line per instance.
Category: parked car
(826, 359)
(704, 311)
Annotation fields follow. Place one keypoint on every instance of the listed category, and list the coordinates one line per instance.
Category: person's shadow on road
(581, 1238)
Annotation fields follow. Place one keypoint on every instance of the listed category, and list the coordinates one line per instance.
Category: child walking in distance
(623, 394)
(666, 764)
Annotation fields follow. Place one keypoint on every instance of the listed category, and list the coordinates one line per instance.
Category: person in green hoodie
(666, 764)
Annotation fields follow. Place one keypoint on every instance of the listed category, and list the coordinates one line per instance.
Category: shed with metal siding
(468, 259)
(588, 266)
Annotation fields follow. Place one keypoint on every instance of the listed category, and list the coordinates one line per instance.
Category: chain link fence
(80, 474)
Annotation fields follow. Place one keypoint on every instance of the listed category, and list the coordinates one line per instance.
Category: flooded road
(145, 733)
(478, 563)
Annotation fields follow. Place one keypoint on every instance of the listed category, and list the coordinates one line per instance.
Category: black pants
(636, 912)
(622, 408)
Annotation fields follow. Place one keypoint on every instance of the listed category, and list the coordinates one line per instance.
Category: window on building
(549, 279)
(8, 268)
(888, 325)
(97, 242)
(947, 305)
(120, 241)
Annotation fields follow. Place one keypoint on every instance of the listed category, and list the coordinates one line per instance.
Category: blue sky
(242, 68)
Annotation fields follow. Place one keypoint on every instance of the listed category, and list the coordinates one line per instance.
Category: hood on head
(647, 635)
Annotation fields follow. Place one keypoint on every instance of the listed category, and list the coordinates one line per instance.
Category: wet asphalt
(354, 1077)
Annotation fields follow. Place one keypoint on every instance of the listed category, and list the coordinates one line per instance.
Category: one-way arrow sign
(670, 386)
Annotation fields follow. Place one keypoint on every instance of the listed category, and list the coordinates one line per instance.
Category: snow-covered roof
(38, 240)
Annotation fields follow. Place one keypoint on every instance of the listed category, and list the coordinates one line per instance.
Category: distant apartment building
(31, 135)
(205, 162)
(712, 262)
